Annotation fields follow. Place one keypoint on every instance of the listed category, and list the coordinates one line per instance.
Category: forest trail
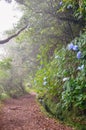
(25, 114)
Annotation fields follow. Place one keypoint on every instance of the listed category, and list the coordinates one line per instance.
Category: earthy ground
(25, 114)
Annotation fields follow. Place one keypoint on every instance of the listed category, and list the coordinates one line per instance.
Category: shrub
(61, 82)
(78, 7)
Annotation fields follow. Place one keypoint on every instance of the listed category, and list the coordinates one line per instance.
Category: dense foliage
(60, 81)
(78, 7)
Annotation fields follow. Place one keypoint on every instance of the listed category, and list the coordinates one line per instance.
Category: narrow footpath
(25, 114)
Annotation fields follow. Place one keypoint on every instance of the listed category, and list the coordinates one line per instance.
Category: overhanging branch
(12, 36)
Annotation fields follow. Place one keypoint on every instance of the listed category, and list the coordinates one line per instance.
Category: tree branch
(12, 36)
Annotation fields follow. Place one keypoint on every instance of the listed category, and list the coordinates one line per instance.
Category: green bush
(4, 96)
(61, 82)
(78, 7)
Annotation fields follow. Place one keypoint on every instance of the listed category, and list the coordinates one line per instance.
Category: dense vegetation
(50, 56)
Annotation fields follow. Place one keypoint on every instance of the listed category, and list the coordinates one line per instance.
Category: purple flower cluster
(73, 47)
(79, 54)
(70, 46)
(60, 2)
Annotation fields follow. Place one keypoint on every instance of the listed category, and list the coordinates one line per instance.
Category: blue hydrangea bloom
(79, 54)
(70, 46)
(44, 83)
(80, 67)
(75, 48)
(60, 3)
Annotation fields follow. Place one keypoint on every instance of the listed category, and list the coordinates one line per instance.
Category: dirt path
(24, 114)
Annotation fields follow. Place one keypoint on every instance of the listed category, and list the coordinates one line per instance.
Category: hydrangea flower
(45, 78)
(60, 3)
(56, 57)
(66, 78)
(75, 48)
(70, 46)
(79, 54)
(44, 83)
(80, 67)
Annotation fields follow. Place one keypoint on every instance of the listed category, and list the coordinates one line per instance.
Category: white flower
(80, 67)
(44, 78)
(44, 83)
(66, 78)
(56, 57)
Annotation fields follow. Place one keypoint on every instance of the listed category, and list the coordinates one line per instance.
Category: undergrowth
(61, 83)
